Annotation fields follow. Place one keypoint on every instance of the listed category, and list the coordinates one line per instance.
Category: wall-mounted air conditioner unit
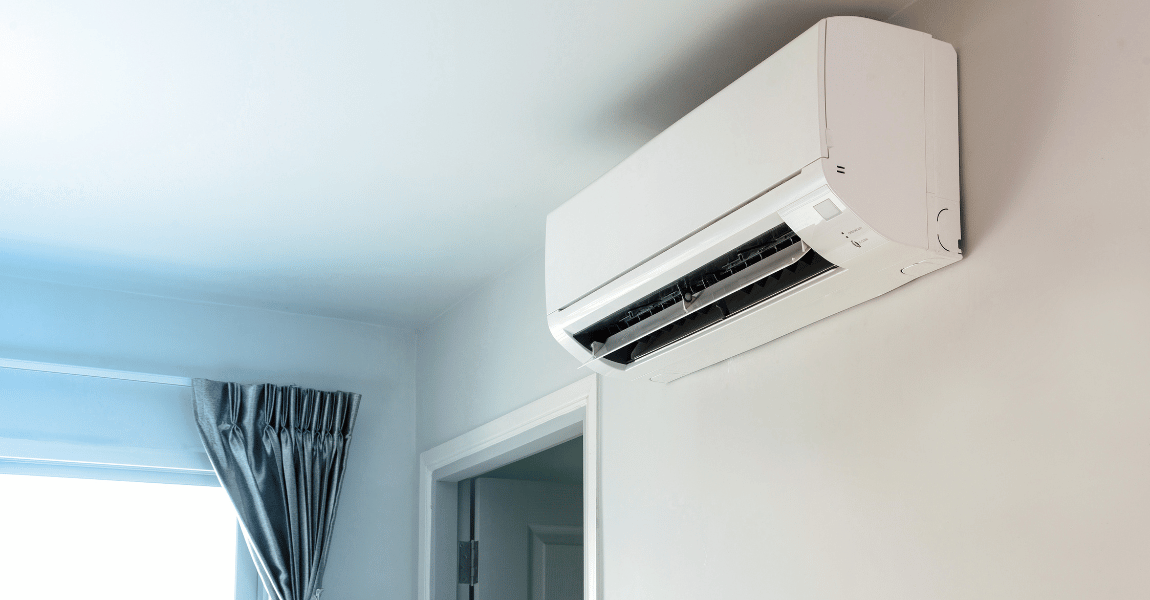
(825, 176)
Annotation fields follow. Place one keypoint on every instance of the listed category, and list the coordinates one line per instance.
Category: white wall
(982, 432)
(488, 356)
(372, 550)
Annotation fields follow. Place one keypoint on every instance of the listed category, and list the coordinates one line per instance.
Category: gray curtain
(280, 454)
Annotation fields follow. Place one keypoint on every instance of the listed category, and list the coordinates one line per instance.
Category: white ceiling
(365, 160)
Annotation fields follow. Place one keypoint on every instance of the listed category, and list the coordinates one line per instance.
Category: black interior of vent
(698, 280)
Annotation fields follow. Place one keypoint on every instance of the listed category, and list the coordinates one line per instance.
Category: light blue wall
(978, 433)
(372, 553)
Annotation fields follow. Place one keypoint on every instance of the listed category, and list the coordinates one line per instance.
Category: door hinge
(469, 562)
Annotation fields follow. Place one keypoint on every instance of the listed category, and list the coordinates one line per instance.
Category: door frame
(549, 421)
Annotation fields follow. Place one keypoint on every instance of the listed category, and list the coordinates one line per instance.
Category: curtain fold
(280, 453)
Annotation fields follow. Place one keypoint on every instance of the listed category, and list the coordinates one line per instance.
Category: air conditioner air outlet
(755, 271)
(810, 266)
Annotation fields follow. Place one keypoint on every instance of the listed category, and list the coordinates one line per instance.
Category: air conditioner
(822, 178)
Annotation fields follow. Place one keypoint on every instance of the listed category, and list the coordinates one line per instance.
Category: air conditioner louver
(752, 273)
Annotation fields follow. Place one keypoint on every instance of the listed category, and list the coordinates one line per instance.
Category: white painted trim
(550, 420)
(592, 498)
(27, 365)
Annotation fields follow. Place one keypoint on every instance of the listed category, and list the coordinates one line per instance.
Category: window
(83, 538)
(106, 492)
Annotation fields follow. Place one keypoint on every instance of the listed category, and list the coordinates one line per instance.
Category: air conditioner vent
(613, 334)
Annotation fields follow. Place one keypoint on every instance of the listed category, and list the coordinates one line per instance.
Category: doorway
(520, 529)
(570, 416)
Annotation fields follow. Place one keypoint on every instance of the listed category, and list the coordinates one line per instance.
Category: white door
(556, 562)
(530, 536)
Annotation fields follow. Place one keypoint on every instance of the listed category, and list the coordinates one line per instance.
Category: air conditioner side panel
(756, 132)
(942, 121)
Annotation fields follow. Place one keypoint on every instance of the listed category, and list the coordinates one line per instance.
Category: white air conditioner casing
(848, 136)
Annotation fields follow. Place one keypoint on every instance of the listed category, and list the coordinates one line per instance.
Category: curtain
(280, 454)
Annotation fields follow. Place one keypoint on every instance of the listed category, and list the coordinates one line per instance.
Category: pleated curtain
(280, 453)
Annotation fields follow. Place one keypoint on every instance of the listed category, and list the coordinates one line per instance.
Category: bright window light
(84, 538)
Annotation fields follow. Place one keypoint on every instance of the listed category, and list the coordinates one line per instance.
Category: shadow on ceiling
(705, 69)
